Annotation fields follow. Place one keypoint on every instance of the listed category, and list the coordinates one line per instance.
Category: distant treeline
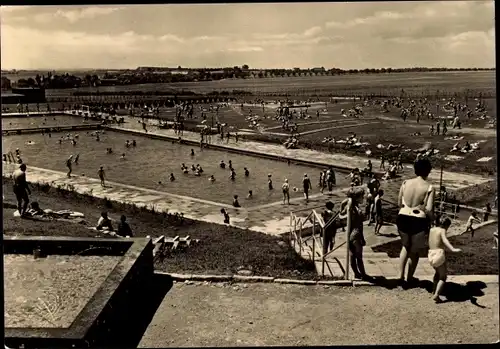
(151, 76)
(158, 93)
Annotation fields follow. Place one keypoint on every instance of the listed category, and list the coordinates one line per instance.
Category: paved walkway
(270, 219)
(215, 315)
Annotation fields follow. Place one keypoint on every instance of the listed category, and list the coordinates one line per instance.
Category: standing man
(379, 220)
(286, 192)
(102, 176)
(69, 165)
(21, 189)
(306, 183)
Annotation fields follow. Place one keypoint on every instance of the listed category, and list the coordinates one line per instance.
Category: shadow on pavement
(453, 292)
(469, 292)
(128, 331)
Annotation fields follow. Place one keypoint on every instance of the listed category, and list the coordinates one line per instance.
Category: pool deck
(272, 218)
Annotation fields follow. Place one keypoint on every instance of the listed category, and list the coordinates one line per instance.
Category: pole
(348, 233)
(323, 252)
(441, 183)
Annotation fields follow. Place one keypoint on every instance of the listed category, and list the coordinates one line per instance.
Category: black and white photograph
(249, 174)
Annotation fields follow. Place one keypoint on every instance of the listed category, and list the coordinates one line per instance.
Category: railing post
(314, 238)
(323, 252)
(348, 233)
(300, 238)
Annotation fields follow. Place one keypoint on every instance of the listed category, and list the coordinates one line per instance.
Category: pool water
(153, 160)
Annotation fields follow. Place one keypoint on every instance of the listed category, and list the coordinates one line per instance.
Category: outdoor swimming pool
(153, 160)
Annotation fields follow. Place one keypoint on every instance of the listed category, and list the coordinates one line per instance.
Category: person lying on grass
(436, 255)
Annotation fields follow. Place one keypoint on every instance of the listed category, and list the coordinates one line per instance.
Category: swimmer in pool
(192, 152)
(232, 176)
(250, 194)
(122, 157)
(247, 173)
(212, 178)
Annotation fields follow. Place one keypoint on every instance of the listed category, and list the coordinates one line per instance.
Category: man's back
(19, 178)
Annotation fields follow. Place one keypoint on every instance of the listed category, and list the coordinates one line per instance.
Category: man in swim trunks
(286, 192)
(69, 165)
(436, 255)
(379, 220)
(101, 175)
(21, 189)
(472, 219)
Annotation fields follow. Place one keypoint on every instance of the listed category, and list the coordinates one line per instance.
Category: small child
(472, 219)
(436, 255)
(226, 215)
(269, 182)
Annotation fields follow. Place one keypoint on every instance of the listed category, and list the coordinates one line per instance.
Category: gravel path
(50, 292)
(271, 314)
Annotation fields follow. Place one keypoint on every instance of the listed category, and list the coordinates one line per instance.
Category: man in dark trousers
(306, 183)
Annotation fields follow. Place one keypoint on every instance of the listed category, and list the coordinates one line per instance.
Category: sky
(306, 35)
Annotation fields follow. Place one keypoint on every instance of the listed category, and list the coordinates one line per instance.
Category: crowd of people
(416, 199)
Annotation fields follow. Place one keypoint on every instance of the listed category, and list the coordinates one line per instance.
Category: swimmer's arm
(447, 243)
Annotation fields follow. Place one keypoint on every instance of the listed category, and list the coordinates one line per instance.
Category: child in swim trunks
(436, 255)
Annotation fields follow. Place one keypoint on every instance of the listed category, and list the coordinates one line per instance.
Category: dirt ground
(272, 314)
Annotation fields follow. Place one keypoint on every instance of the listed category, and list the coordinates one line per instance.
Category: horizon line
(222, 67)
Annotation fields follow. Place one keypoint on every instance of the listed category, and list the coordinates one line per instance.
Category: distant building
(217, 72)
(6, 84)
(179, 72)
(318, 70)
(24, 95)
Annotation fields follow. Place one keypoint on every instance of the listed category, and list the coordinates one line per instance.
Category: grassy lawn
(153, 160)
(387, 132)
(477, 256)
(221, 249)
